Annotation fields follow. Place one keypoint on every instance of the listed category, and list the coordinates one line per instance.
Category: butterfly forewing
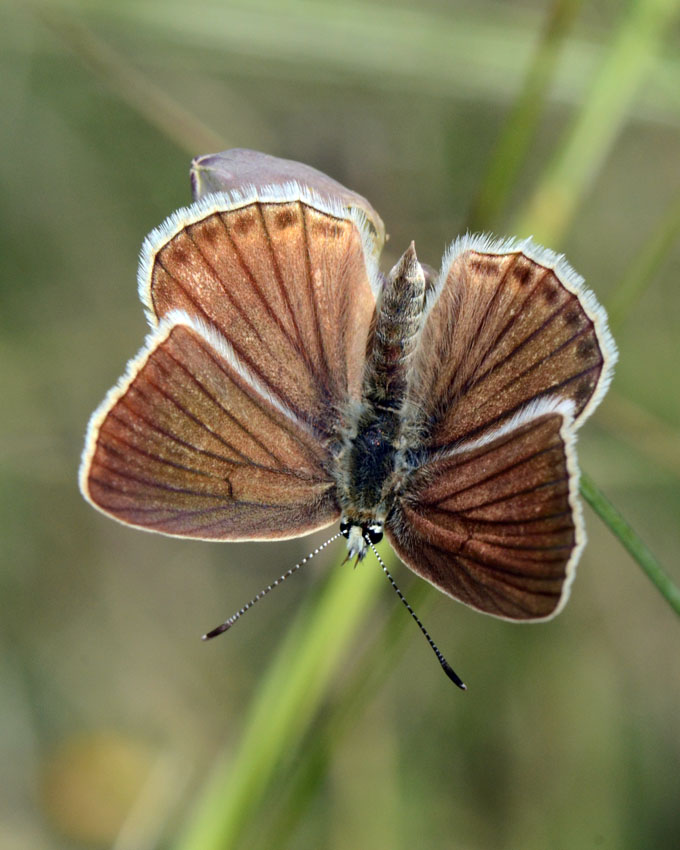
(495, 523)
(287, 283)
(508, 323)
(191, 445)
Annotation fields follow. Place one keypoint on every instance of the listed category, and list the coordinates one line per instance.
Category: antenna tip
(455, 678)
(216, 631)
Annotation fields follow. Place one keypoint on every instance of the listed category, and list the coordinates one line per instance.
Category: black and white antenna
(450, 672)
(227, 624)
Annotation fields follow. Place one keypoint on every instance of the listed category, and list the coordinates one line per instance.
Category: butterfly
(287, 384)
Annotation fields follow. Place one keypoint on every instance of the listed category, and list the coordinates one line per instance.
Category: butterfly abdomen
(398, 323)
(370, 459)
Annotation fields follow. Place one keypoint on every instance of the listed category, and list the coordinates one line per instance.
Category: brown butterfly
(287, 384)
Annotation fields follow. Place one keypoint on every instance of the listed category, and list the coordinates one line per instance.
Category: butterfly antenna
(455, 678)
(227, 624)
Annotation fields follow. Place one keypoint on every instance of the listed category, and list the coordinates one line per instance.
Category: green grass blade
(597, 123)
(520, 126)
(301, 785)
(286, 701)
(631, 542)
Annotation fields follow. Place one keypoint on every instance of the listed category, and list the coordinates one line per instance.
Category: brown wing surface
(190, 444)
(509, 323)
(496, 525)
(286, 282)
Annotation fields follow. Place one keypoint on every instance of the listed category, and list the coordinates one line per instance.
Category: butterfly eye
(345, 526)
(374, 532)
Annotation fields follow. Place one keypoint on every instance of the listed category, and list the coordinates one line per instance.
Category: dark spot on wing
(178, 254)
(551, 292)
(583, 391)
(523, 270)
(326, 229)
(284, 218)
(243, 222)
(484, 265)
(209, 232)
(573, 316)
(586, 348)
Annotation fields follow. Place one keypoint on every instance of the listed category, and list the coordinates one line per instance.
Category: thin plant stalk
(328, 733)
(134, 88)
(607, 102)
(645, 432)
(632, 542)
(520, 126)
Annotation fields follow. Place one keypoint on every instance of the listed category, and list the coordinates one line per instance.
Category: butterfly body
(286, 385)
(374, 463)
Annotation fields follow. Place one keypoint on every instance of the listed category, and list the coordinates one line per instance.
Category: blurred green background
(323, 720)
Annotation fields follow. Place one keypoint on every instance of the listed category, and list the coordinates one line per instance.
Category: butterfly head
(359, 535)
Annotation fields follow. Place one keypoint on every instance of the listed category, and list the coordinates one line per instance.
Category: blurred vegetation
(323, 720)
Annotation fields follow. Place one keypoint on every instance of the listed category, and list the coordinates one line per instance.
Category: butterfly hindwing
(495, 522)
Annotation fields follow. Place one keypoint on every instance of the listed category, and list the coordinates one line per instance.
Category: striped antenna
(227, 624)
(446, 667)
